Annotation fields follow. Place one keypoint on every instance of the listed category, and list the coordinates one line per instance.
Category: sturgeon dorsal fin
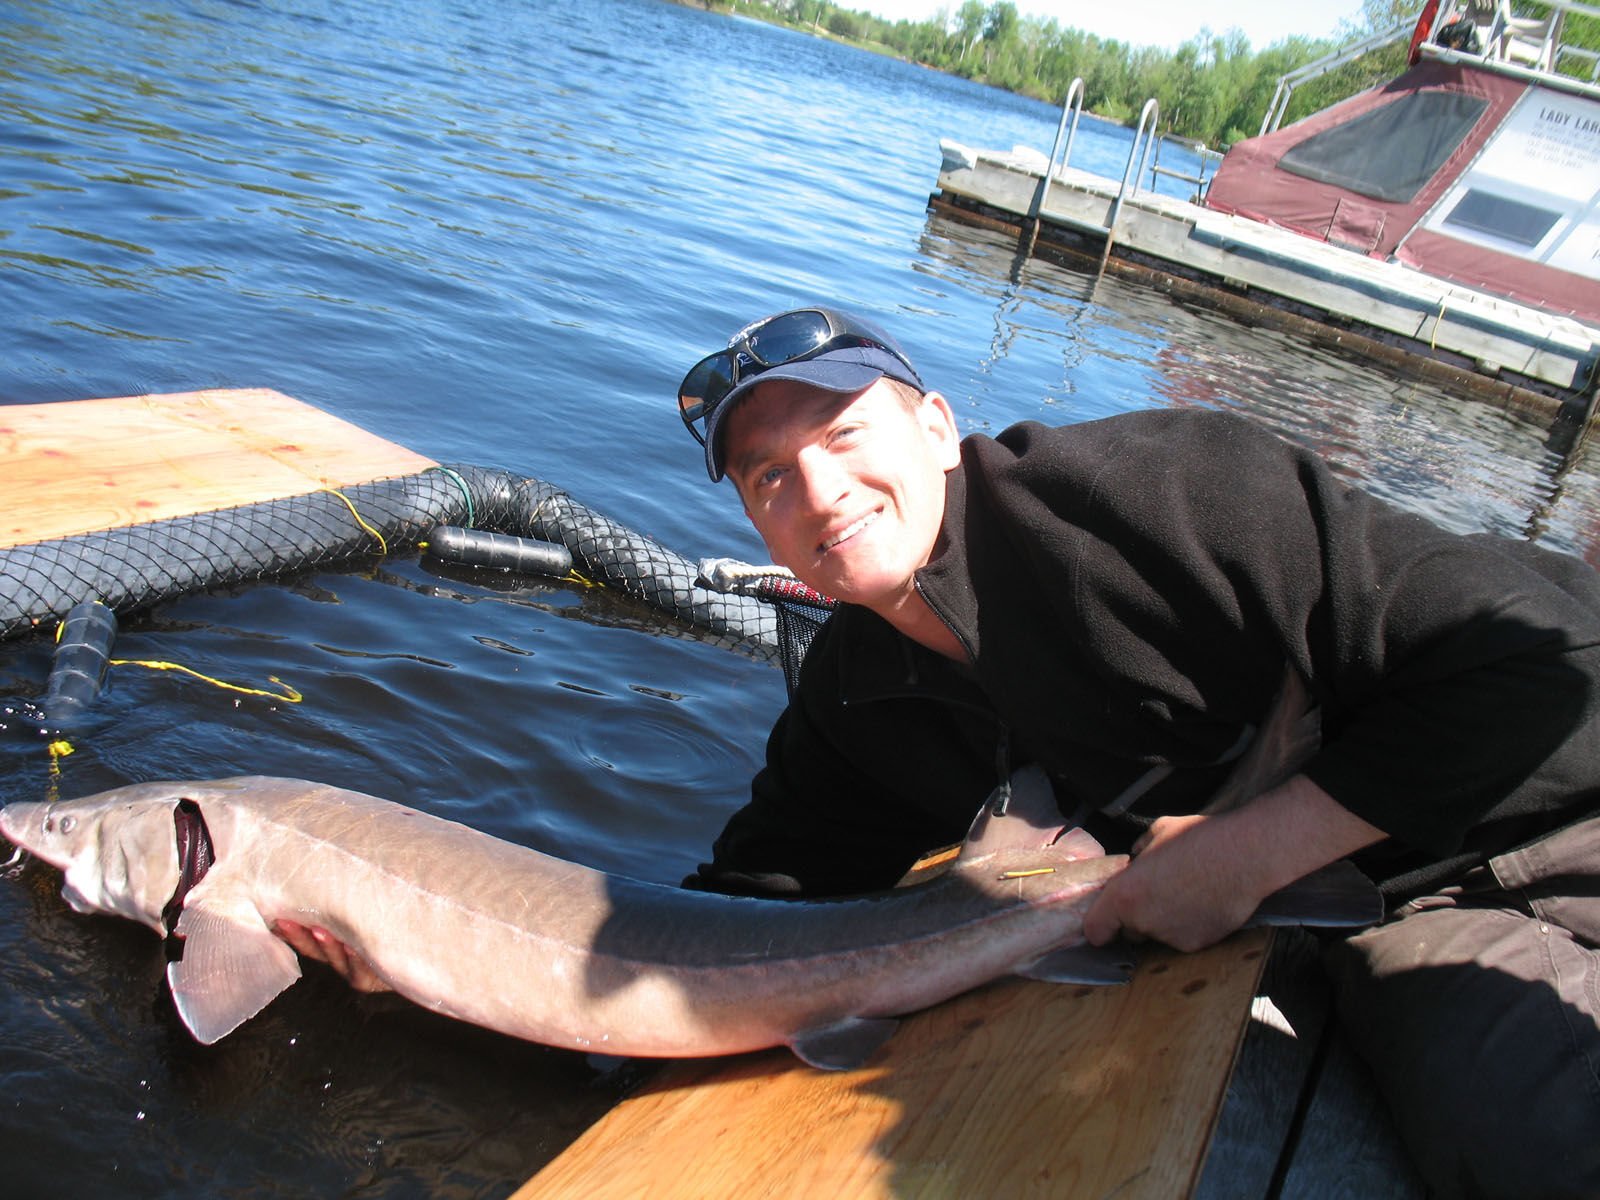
(232, 967)
(1077, 844)
(1019, 815)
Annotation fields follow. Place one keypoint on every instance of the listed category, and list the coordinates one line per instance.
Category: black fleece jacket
(1130, 592)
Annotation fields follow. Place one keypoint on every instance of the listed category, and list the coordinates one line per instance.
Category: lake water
(497, 233)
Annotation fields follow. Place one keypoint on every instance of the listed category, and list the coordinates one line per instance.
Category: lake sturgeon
(539, 948)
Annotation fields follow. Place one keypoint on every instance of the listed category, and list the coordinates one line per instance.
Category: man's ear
(939, 422)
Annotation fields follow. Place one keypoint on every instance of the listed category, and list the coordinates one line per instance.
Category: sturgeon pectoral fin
(844, 1044)
(1081, 964)
(232, 967)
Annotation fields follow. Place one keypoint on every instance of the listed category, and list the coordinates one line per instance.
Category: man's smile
(849, 531)
(847, 491)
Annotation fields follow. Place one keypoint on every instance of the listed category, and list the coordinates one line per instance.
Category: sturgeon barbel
(539, 948)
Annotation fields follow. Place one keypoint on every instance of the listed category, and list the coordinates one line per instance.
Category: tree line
(1213, 89)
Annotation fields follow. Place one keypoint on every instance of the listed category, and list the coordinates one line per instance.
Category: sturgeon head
(118, 851)
(136, 852)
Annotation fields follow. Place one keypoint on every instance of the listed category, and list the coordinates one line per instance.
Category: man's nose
(822, 479)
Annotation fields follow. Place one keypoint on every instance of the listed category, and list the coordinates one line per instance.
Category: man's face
(847, 491)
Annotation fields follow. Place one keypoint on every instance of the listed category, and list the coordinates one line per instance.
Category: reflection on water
(1464, 464)
(497, 233)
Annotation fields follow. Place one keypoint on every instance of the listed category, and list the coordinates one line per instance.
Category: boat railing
(1524, 41)
(1480, 31)
(1519, 47)
(1207, 156)
(1331, 61)
(1592, 57)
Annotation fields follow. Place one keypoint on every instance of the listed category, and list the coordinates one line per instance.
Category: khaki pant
(1478, 1010)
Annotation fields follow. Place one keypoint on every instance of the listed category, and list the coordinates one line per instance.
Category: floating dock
(168, 495)
(1511, 354)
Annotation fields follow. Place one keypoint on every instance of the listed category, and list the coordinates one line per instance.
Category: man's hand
(1177, 890)
(314, 942)
(1195, 879)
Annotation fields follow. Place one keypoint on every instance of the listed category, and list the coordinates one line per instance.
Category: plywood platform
(86, 465)
(1018, 1089)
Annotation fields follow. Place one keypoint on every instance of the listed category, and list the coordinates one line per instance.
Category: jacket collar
(878, 662)
(946, 581)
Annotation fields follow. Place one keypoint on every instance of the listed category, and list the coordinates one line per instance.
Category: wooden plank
(1349, 1147)
(87, 465)
(1303, 1119)
(1016, 1089)
(1274, 1073)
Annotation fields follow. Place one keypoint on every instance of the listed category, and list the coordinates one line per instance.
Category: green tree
(969, 22)
(1214, 88)
(1000, 22)
(843, 23)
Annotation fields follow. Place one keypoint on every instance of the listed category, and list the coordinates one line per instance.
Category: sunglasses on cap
(777, 341)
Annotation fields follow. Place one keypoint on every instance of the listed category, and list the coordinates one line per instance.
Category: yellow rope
(59, 749)
(288, 694)
(383, 546)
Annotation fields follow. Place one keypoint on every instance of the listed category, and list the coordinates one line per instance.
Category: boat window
(1388, 153)
(1498, 216)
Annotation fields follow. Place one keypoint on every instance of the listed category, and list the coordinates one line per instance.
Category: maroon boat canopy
(1402, 172)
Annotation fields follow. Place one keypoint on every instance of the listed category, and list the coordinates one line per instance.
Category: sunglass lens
(788, 336)
(703, 388)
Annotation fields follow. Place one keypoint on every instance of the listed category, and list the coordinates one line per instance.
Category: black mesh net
(801, 612)
(139, 565)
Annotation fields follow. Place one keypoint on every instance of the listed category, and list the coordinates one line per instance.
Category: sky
(1164, 23)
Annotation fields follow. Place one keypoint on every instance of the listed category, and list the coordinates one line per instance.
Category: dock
(1493, 349)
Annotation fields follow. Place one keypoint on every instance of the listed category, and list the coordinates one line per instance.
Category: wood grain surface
(1017, 1089)
(85, 465)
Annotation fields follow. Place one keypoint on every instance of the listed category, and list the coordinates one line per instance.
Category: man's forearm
(1196, 879)
(1291, 831)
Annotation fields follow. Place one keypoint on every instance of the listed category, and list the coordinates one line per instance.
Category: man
(1121, 602)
